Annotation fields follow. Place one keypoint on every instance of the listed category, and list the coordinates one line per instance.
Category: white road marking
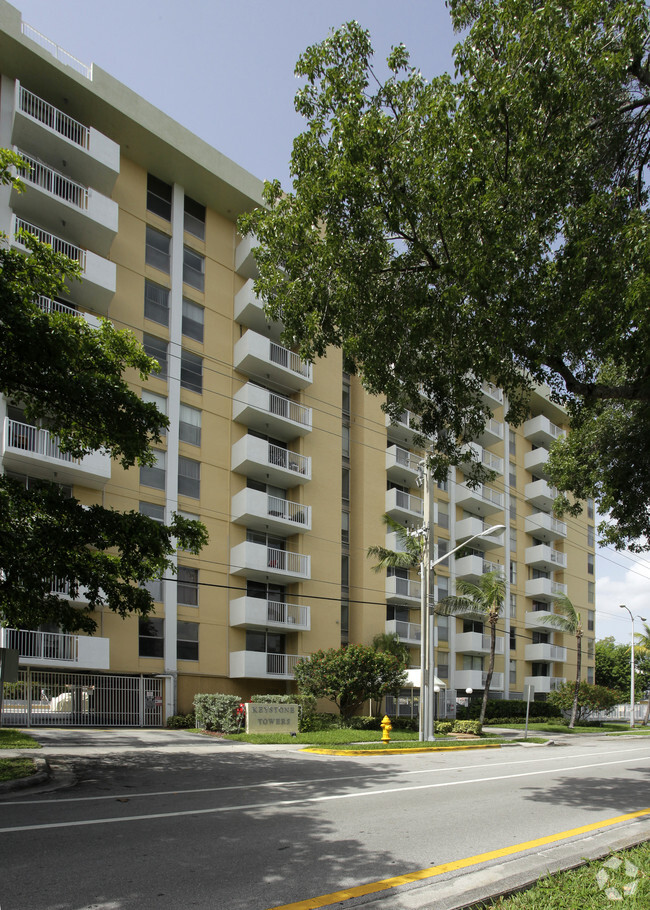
(307, 800)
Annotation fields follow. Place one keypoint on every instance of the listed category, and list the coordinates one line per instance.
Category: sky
(225, 71)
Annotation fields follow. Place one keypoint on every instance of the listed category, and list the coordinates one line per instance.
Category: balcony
(541, 431)
(257, 613)
(405, 429)
(34, 451)
(540, 495)
(404, 507)
(408, 632)
(475, 679)
(51, 197)
(269, 413)
(97, 287)
(483, 457)
(471, 568)
(491, 434)
(478, 643)
(492, 396)
(56, 307)
(402, 590)
(249, 311)
(402, 466)
(480, 500)
(268, 463)
(544, 683)
(544, 526)
(262, 665)
(535, 461)
(395, 542)
(39, 126)
(544, 589)
(538, 619)
(245, 264)
(258, 356)
(545, 652)
(469, 527)
(263, 512)
(546, 559)
(263, 563)
(57, 650)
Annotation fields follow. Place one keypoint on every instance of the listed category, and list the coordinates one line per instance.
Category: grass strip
(15, 768)
(16, 739)
(623, 876)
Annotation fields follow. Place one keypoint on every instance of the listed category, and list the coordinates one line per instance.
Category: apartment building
(290, 466)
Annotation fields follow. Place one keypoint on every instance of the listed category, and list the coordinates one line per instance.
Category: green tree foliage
(408, 556)
(389, 643)
(642, 649)
(484, 599)
(591, 699)
(567, 620)
(491, 226)
(613, 665)
(350, 676)
(72, 376)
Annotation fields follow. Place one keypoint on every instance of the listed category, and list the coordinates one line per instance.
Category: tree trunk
(488, 678)
(574, 709)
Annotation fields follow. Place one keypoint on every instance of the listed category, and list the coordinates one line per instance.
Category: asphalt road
(163, 822)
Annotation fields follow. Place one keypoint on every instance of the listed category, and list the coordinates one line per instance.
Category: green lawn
(13, 768)
(15, 739)
(600, 885)
(560, 728)
(346, 737)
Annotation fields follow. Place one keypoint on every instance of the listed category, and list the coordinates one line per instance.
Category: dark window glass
(156, 303)
(193, 269)
(154, 475)
(191, 371)
(193, 320)
(157, 253)
(194, 218)
(189, 477)
(153, 510)
(157, 348)
(159, 197)
(151, 637)
(188, 586)
(187, 640)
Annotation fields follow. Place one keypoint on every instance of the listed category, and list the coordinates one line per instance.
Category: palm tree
(407, 558)
(390, 643)
(567, 620)
(643, 645)
(485, 598)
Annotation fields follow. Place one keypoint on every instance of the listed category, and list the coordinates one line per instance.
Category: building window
(190, 517)
(443, 515)
(187, 640)
(345, 621)
(512, 476)
(345, 441)
(345, 484)
(443, 485)
(590, 508)
(154, 475)
(156, 302)
(193, 269)
(194, 220)
(191, 371)
(591, 536)
(345, 399)
(591, 620)
(345, 527)
(442, 583)
(513, 572)
(513, 605)
(153, 510)
(189, 477)
(189, 426)
(591, 592)
(345, 571)
(151, 637)
(512, 442)
(187, 587)
(590, 563)
(156, 348)
(513, 508)
(513, 540)
(590, 675)
(513, 639)
(159, 197)
(513, 672)
(443, 547)
(590, 648)
(155, 588)
(443, 628)
(161, 403)
(443, 669)
(157, 250)
(193, 320)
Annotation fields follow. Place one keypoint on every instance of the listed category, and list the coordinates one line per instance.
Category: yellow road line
(422, 874)
(406, 751)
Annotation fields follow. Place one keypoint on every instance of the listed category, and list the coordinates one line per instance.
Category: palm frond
(565, 617)
(407, 558)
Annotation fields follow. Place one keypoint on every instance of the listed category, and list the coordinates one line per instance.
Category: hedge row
(502, 709)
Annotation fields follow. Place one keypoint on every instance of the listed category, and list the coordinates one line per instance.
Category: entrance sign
(262, 718)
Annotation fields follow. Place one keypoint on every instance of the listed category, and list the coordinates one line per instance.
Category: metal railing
(61, 55)
(406, 587)
(292, 461)
(287, 614)
(408, 502)
(55, 306)
(558, 588)
(408, 631)
(57, 244)
(405, 458)
(284, 407)
(296, 563)
(281, 664)
(51, 116)
(495, 427)
(41, 645)
(486, 493)
(288, 359)
(289, 511)
(493, 391)
(28, 438)
(58, 184)
(488, 566)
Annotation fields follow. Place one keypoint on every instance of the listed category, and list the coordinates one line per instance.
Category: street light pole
(426, 724)
(632, 698)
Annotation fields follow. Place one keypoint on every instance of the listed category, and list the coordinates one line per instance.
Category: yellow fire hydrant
(386, 727)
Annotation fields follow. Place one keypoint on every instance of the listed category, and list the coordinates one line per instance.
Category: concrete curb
(41, 776)
(406, 751)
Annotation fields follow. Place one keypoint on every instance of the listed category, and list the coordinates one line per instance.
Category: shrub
(443, 727)
(500, 709)
(364, 723)
(467, 726)
(181, 721)
(217, 712)
(409, 724)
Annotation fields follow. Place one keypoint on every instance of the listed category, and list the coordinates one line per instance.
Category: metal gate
(52, 698)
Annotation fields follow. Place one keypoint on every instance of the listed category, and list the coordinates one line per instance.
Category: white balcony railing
(58, 52)
(36, 440)
(256, 509)
(399, 501)
(402, 588)
(543, 651)
(47, 305)
(57, 243)
(290, 360)
(270, 463)
(544, 683)
(39, 174)
(262, 409)
(408, 632)
(51, 116)
(258, 561)
(256, 612)
(478, 643)
(24, 443)
(56, 649)
(263, 665)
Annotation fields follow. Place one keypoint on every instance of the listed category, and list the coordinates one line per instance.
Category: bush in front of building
(505, 709)
(181, 721)
(467, 726)
(217, 712)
